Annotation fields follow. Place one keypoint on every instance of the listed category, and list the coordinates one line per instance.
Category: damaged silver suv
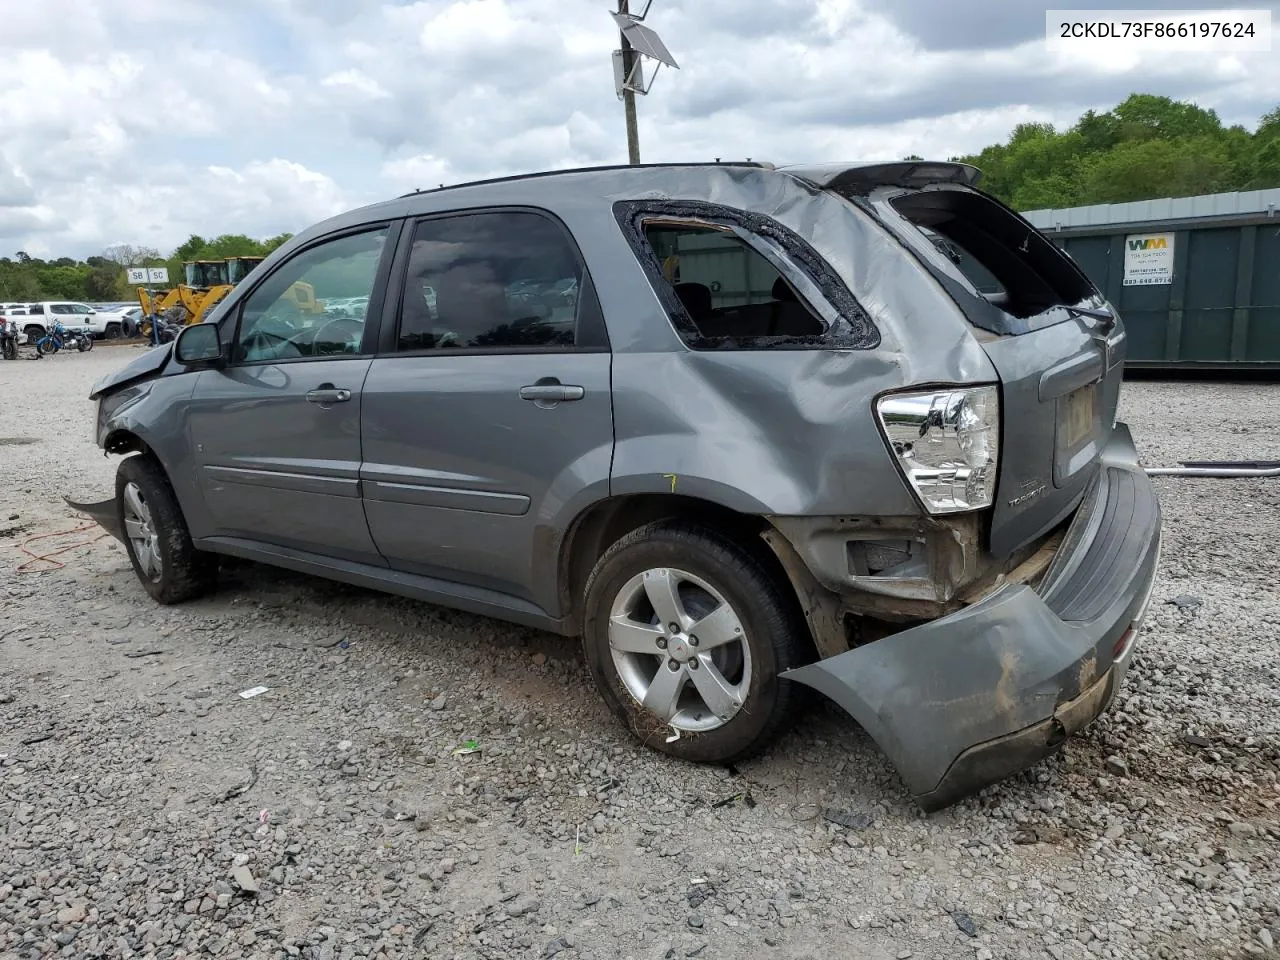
(752, 432)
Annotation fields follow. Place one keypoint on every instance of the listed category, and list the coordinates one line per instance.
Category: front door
(276, 432)
(493, 415)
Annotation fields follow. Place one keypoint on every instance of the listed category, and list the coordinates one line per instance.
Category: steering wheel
(267, 346)
(354, 329)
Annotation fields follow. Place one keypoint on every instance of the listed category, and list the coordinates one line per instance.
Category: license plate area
(1077, 433)
(1079, 416)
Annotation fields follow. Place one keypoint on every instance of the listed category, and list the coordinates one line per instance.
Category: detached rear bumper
(966, 700)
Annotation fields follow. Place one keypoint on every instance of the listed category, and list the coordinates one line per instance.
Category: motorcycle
(59, 337)
(8, 339)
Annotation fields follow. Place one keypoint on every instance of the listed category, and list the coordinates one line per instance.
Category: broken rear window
(1001, 259)
(731, 279)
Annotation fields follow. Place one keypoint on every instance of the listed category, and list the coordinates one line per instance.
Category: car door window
(303, 309)
(61, 309)
(491, 281)
(729, 289)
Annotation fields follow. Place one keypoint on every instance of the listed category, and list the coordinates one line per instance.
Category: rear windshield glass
(1003, 260)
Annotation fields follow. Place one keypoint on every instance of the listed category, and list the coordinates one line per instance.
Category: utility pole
(628, 94)
(638, 41)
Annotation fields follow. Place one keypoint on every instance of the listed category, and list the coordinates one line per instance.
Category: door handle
(549, 390)
(327, 393)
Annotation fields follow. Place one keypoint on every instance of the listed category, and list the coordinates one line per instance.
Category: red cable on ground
(47, 558)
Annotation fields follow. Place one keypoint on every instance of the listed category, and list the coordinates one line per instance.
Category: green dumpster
(1196, 279)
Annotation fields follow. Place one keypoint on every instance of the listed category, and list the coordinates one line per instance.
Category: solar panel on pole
(644, 40)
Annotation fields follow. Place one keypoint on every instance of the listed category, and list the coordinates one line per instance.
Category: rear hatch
(1060, 368)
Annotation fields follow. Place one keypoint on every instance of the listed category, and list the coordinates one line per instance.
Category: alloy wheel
(680, 649)
(142, 533)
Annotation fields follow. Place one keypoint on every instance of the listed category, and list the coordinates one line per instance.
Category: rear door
(490, 410)
(1060, 371)
(276, 433)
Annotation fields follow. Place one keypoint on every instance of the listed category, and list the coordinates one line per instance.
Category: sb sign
(1148, 259)
(137, 274)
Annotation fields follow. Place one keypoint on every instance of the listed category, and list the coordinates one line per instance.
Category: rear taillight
(947, 444)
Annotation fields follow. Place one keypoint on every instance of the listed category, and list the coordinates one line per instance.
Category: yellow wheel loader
(205, 283)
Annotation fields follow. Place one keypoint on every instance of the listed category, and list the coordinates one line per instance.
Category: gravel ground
(148, 810)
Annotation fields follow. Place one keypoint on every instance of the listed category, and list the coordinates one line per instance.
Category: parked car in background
(71, 314)
(745, 430)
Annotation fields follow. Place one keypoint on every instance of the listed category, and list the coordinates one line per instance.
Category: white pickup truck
(35, 318)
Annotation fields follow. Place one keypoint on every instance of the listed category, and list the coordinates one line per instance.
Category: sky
(144, 121)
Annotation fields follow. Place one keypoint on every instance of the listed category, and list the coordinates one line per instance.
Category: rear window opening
(729, 289)
(1005, 261)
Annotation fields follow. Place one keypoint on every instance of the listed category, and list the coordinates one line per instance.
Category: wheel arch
(122, 440)
(606, 521)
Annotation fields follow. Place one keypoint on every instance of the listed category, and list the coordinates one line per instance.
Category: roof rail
(597, 169)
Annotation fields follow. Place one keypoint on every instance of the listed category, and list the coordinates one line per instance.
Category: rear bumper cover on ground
(970, 698)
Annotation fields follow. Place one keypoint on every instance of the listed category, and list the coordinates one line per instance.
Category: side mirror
(198, 344)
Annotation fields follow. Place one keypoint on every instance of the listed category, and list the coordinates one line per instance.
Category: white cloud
(142, 121)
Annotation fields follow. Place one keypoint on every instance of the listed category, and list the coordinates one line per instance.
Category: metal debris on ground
(965, 923)
(847, 818)
(253, 692)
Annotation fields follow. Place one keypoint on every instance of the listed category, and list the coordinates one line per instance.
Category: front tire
(686, 632)
(167, 564)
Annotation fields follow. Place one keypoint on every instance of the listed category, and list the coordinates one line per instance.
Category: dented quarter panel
(770, 431)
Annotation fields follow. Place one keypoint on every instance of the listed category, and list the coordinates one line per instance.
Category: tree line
(1144, 148)
(103, 278)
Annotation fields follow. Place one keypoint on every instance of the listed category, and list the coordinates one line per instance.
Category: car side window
(497, 280)
(730, 289)
(307, 307)
(61, 309)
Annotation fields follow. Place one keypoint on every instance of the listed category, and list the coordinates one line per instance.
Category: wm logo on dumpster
(1149, 243)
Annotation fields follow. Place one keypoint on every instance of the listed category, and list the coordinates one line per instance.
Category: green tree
(1147, 146)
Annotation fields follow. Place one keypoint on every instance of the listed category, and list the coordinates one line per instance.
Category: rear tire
(167, 564)
(113, 332)
(731, 702)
